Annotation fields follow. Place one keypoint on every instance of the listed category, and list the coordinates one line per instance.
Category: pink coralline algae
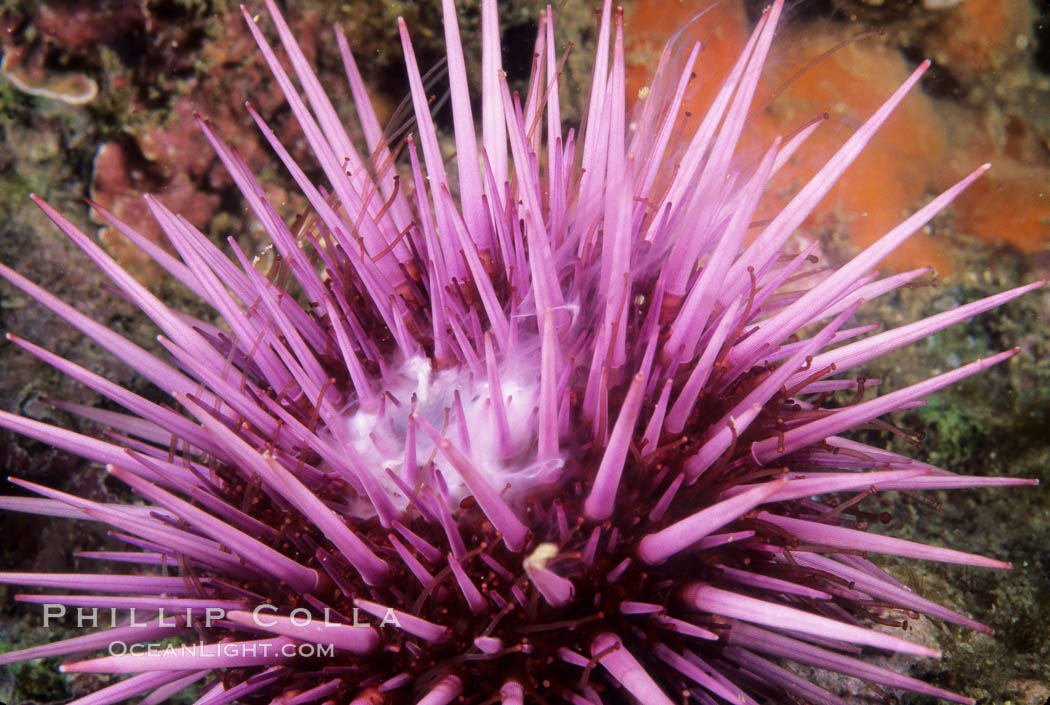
(169, 156)
(562, 425)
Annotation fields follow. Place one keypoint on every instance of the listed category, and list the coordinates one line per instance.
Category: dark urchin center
(530, 630)
(600, 559)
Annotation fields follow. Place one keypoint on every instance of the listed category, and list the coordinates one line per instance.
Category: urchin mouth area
(490, 416)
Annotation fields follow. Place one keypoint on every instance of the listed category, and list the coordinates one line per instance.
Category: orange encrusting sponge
(980, 34)
(912, 156)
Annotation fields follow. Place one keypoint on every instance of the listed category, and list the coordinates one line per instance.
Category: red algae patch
(117, 185)
(169, 156)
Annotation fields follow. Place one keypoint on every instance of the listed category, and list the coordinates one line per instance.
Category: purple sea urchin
(557, 429)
